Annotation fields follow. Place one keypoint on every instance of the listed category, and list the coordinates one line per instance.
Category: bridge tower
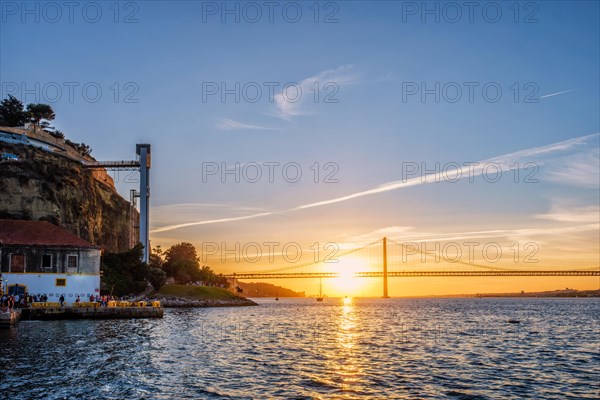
(143, 151)
(385, 271)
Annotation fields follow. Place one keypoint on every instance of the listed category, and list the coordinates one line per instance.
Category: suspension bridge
(388, 259)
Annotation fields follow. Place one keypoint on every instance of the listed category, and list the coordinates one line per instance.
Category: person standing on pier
(61, 300)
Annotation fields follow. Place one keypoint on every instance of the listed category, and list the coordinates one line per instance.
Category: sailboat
(320, 298)
(277, 294)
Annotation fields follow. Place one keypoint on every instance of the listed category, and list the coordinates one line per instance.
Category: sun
(347, 284)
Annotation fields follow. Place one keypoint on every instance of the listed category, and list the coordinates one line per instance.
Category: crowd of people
(9, 302)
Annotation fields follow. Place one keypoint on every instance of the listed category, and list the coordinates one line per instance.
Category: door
(17, 263)
(71, 264)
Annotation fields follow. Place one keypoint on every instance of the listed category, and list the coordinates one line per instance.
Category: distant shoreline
(566, 293)
(570, 293)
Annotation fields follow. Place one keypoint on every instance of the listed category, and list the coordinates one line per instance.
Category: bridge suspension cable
(312, 263)
(376, 257)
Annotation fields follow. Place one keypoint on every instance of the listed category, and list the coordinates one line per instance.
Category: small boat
(514, 321)
(320, 298)
(277, 295)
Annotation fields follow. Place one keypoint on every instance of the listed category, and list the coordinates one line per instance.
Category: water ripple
(296, 349)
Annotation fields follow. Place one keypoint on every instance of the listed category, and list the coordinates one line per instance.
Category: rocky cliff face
(45, 186)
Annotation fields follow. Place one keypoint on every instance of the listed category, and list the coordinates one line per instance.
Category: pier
(53, 311)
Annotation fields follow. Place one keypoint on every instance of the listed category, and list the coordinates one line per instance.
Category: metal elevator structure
(142, 164)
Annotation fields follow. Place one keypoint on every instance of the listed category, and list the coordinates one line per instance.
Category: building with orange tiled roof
(37, 257)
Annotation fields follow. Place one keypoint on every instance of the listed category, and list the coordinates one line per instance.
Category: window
(61, 282)
(17, 263)
(71, 263)
(47, 263)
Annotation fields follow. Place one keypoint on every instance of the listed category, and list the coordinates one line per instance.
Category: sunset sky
(499, 110)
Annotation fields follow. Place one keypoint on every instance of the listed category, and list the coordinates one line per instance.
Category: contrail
(505, 162)
(557, 93)
(210, 221)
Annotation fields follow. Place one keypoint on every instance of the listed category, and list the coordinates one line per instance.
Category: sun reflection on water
(346, 365)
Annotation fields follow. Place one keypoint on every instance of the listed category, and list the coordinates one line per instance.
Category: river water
(298, 348)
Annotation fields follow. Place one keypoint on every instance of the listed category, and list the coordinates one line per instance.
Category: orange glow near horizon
(555, 252)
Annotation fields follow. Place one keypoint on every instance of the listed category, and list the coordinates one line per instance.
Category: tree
(156, 258)
(38, 112)
(57, 134)
(182, 263)
(157, 277)
(180, 256)
(158, 251)
(12, 112)
(124, 273)
(84, 149)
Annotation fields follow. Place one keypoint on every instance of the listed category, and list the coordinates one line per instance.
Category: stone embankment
(181, 302)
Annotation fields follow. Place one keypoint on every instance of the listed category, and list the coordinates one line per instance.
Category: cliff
(41, 185)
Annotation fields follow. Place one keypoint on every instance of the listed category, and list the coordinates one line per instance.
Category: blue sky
(169, 53)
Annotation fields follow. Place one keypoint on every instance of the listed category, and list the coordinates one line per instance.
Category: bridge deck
(294, 275)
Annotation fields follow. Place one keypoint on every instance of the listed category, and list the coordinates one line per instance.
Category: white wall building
(37, 257)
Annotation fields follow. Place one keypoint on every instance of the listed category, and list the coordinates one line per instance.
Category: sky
(329, 125)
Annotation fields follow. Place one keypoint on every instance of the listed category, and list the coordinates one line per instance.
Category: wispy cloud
(289, 102)
(407, 234)
(505, 162)
(581, 169)
(586, 214)
(557, 93)
(230, 124)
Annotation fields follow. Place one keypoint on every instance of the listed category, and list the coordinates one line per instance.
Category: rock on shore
(181, 302)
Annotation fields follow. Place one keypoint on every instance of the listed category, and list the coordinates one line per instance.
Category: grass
(195, 292)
